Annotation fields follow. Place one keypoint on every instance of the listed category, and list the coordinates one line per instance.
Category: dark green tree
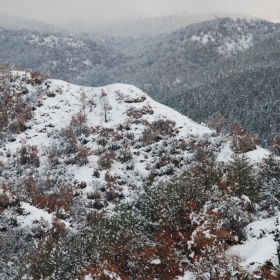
(241, 177)
(269, 180)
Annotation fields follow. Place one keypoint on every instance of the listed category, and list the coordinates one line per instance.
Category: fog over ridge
(59, 11)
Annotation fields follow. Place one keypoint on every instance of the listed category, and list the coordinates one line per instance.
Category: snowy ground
(56, 113)
(261, 244)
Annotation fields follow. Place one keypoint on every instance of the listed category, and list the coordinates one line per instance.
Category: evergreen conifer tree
(241, 177)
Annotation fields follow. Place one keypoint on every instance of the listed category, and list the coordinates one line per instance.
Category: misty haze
(139, 140)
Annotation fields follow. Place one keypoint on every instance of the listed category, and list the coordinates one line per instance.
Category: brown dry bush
(274, 145)
(164, 127)
(157, 130)
(29, 155)
(69, 143)
(217, 122)
(81, 158)
(61, 199)
(111, 181)
(244, 144)
(236, 129)
(78, 122)
(8, 198)
(138, 113)
(37, 78)
(107, 159)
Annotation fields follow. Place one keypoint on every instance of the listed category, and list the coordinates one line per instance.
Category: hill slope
(243, 88)
(88, 174)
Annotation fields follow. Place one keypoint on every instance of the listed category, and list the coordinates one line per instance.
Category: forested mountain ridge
(61, 56)
(105, 182)
(152, 63)
(244, 88)
(163, 61)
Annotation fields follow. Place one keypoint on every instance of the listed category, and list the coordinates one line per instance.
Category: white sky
(57, 11)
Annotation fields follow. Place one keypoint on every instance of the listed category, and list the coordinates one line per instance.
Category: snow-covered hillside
(72, 155)
(128, 113)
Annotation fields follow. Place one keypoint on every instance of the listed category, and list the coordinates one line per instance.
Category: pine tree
(269, 179)
(241, 177)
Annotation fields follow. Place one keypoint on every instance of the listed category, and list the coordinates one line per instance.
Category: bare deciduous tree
(105, 105)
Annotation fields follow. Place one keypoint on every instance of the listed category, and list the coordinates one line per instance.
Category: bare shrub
(107, 159)
(124, 154)
(274, 145)
(78, 122)
(138, 113)
(157, 130)
(81, 157)
(236, 129)
(8, 198)
(137, 99)
(69, 143)
(246, 143)
(217, 122)
(29, 155)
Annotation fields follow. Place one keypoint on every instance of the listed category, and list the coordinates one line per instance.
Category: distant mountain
(60, 56)
(152, 63)
(244, 88)
(19, 23)
(137, 28)
(163, 61)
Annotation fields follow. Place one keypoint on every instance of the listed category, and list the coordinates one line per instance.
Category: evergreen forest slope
(152, 63)
(244, 88)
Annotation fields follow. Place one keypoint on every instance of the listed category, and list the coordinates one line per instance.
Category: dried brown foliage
(217, 122)
(61, 199)
(107, 159)
(138, 113)
(236, 129)
(8, 198)
(29, 155)
(157, 130)
(78, 122)
(274, 145)
(81, 158)
(246, 143)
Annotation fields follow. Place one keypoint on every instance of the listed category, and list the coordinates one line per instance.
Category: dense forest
(243, 88)
(152, 63)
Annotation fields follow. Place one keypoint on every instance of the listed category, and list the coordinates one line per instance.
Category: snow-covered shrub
(138, 113)
(124, 154)
(274, 145)
(29, 155)
(78, 123)
(241, 177)
(107, 159)
(216, 121)
(245, 143)
(8, 198)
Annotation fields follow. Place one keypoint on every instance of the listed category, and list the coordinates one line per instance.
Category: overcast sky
(56, 11)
